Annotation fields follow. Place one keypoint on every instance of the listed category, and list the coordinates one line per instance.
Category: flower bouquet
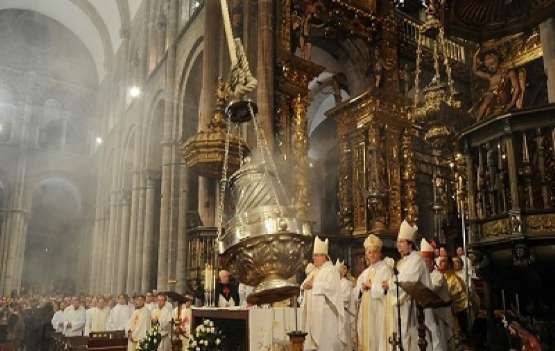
(152, 339)
(205, 338)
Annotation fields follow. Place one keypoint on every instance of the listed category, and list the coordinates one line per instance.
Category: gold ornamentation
(496, 228)
(540, 224)
(300, 154)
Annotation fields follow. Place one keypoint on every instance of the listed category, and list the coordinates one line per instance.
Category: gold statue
(505, 90)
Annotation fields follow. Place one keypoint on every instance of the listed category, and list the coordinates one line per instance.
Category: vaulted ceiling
(97, 23)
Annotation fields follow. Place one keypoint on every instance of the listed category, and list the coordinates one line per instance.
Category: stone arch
(53, 234)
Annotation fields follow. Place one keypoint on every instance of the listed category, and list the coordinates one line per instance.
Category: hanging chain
(450, 82)
(269, 160)
(223, 181)
(418, 63)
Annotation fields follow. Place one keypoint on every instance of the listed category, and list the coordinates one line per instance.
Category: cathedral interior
(116, 143)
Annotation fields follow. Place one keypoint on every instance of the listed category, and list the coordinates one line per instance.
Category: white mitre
(373, 243)
(339, 264)
(407, 231)
(320, 246)
(425, 246)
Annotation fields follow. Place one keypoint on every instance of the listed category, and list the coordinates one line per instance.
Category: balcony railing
(408, 30)
(510, 171)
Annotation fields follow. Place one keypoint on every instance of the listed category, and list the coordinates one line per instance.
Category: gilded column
(151, 183)
(409, 177)
(393, 170)
(123, 247)
(345, 177)
(300, 156)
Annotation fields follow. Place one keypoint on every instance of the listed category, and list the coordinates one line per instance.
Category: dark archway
(53, 237)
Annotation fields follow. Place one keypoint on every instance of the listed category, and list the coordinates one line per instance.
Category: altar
(252, 329)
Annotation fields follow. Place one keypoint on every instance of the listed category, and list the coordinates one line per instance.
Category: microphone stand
(397, 341)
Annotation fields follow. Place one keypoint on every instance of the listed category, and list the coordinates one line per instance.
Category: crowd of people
(372, 313)
(29, 322)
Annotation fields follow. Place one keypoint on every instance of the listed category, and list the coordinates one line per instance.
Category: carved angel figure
(505, 86)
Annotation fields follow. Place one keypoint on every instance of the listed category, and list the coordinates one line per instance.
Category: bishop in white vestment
(120, 314)
(325, 314)
(349, 306)
(138, 325)
(411, 268)
(162, 315)
(373, 326)
(74, 318)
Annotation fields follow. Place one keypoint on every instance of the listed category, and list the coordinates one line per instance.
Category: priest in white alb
(162, 315)
(435, 318)
(97, 318)
(325, 313)
(372, 318)
(138, 325)
(120, 314)
(411, 268)
(74, 318)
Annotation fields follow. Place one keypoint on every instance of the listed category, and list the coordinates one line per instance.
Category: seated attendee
(227, 291)
(120, 314)
(74, 318)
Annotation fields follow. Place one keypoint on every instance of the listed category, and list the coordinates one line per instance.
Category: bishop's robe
(58, 321)
(411, 269)
(74, 321)
(137, 327)
(164, 317)
(373, 325)
(325, 313)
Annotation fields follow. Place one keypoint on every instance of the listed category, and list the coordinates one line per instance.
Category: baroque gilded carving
(300, 154)
(496, 228)
(540, 224)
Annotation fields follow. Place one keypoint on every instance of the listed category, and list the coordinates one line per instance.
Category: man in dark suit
(227, 290)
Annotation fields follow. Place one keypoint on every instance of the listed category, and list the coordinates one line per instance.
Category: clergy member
(411, 268)
(120, 314)
(162, 315)
(349, 306)
(182, 316)
(227, 290)
(326, 313)
(150, 302)
(372, 325)
(139, 323)
(436, 319)
(74, 318)
(89, 305)
(98, 317)
(58, 318)
(306, 296)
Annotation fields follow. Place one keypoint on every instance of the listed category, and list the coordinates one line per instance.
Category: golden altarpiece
(436, 144)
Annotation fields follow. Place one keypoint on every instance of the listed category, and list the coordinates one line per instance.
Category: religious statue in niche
(405, 79)
(434, 11)
(378, 68)
(505, 89)
(302, 21)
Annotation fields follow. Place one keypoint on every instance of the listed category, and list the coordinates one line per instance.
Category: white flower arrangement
(207, 337)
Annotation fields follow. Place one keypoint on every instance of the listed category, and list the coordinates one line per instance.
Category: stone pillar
(547, 36)
(212, 31)
(150, 198)
(132, 249)
(181, 274)
(111, 245)
(139, 243)
(264, 68)
(123, 244)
